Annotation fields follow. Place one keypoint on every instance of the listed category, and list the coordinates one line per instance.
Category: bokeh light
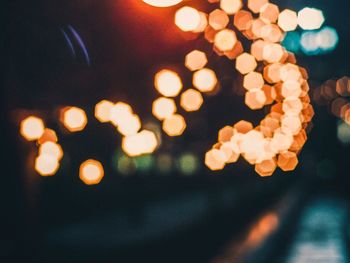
(91, 172)
(103, 110)
(74, 119)
(32, 128)
(195, 60)
(168, 83)
(46, 164)
(205, 80)
(175, 125)
(191, 100)
(187, 18)
(310, 18)
(163, 108)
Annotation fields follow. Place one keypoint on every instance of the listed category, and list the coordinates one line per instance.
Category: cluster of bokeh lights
(271, 78)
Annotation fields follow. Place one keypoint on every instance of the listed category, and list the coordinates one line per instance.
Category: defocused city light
(162, 3)
(231, 6)
(163, 108)
(195, 60)
(168, 83)
(32, 128)
(46, 164)
(51, 148)
(191, 100)
(74, 119)
(175, 125)
(187, 18)
(103, 110)
(91, 172)
(205, 80)
(310, 18)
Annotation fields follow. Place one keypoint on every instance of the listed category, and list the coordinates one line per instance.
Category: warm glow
(225, 40)
(46, 164)
(144, 142)
(163, 108)
(187, 18)
(195, 60)
(256, 5)
(51, 148)
(245, 63)
(91, 172)
(103, 110)
(162, 3)
(218, 19)
(269, 13)
(129, 125)
(191, 100)
(253, 80)
(120, 112)
(74, 119)
(32, 128)
(231, 6)
(310, 18)
(288, 20)
(48, 136)
(205, 80)
(174, 125)
(168, 83)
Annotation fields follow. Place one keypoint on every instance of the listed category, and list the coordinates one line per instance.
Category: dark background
(149, 217)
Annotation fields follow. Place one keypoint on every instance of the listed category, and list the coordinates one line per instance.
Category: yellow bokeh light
(32, 128)
(255, 99)
(191, 100)
(120, 112)
(245, 63)
(195, 60)
(49, 135)
(310, 18)
(144, 142)
(225, 40)
(168, 83)
(218, 19)
(129, 125)
(231, 6)
(215, 159)
(162, 3)
(256, 5)
(91, 172)
(163, 108)
(288, 20)
(273, 53)
(51, 148)
(253, 80)
(46, 164)
(174, 125)
(205, 80)
(103, 110)
(187, 18)
(74, 119)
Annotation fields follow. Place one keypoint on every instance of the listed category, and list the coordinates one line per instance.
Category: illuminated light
(310, 18)
(287, 161)
(256, 5)
(231, 6)
(195, 60)
(281, 140)
(91, 172)
(255, 99)
(291, 41)
(174, 125)
(144, 142)
(269, 13)
(209, 34)
(164, 163)
(309, 44)
(337, 105)
(272, 73)
(126, 165)
(187, 18)
(162, 3)
(74, 119)
(215, 160)
(163, 108)
(343, 132)
(225, 40)
(243, 126)
(235, 52)
(266, 168)
(103, 110)
(46, 165)
(292, 106)
(288, 20)
(168, 83)
(270, 94)
(291, 124)
(188, 164)
(231, 152)
(243, 20)
(205, 80)
(246, 63)
(268, 126)
(253, 80)
(327, 39)
(272, 33)
(130, 125)
(225, 134)
(252, 146)
(273, 53)
(32, 128)
(218, 19)
(202, 24)
(51, 148)
(343, 86)
(291, 89)
(119, 112)
(257, 27)
(48, 136)
(290, 72)
(257, 49)
(191, 100)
